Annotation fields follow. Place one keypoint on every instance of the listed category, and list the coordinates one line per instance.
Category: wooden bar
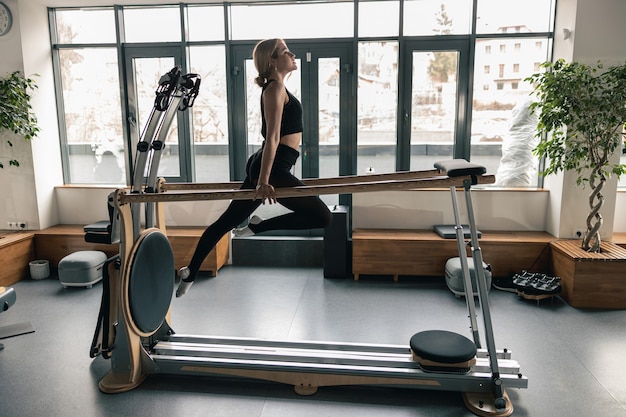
(302, 191)
(348, 179)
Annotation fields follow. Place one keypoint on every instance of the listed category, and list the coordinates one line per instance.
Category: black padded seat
(151, 280)
(7, 298)
(442, 347)
(460, 168)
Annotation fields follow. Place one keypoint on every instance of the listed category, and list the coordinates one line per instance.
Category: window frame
(236, 151)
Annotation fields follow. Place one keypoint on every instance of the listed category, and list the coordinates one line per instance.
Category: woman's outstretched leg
(236, 213)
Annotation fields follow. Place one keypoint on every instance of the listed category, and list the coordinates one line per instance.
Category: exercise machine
(145, 342)
(176, 92)
(7, 299)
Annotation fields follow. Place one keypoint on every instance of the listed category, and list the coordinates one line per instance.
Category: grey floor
(575, 360)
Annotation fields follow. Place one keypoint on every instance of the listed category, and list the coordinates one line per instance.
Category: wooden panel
(400, 253)
(56, 242)
(619, 239)
(16, 251)
(184, 241)
(509, 258)
(591, 280)
(424, 253)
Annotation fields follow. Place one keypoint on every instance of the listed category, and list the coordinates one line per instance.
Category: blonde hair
(262, 53)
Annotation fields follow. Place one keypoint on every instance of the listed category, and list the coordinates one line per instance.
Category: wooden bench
(17, 249)
(424, 253)
(54, 243)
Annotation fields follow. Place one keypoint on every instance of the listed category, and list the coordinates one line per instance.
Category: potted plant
(16, 114)
(581, 114)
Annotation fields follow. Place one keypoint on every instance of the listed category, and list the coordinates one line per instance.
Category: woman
(268, 168)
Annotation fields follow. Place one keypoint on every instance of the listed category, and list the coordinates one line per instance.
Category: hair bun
(260, 81)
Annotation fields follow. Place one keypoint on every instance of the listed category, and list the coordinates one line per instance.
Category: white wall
(597, 34)
(17, 184)
(93, 207)
(421, 209)
(36, 191)
(493, 209)
(46, 151)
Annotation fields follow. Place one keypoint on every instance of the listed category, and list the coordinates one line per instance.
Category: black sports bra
(291, 121)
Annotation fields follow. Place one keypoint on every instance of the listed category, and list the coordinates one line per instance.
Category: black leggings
(307, 212)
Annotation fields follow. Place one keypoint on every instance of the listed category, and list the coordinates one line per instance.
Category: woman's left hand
(265, 191)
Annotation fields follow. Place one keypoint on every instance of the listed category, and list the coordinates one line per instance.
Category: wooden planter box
(590, 280)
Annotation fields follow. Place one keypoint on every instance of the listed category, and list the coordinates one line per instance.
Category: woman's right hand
(265, 191)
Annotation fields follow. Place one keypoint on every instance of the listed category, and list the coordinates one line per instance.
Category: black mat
(448, 231)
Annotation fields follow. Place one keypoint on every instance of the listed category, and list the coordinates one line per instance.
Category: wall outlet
(578, 233)
(17, 225)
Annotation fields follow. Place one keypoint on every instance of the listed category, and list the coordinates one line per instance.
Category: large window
(377, 107)
(503, 130)
(95, 147)
(210, 114)
(293, 21)
(384, 91)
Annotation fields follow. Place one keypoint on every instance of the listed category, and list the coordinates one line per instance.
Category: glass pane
(253, 109)
(370, 23)
(86, 26)
(437, 17)
(433, 107)
(206, 23)
(93, 123)
(297, 21)
(502, 130)
(152, 24)
(377, 107)
(210, 114)
(147, 73)
(328, 81)
(520, 16)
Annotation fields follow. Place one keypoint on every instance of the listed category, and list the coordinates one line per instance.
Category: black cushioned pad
(151, 281)
(448, 231)
(7, 298)
(460, 168)
(442, 346)
(99, 232)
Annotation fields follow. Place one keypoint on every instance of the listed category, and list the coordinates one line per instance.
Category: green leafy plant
(581, 115)
(15, 109)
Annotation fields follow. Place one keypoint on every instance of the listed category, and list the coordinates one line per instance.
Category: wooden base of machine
(308, 383)
(118, 382)
(482, 404)
(428, 364)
